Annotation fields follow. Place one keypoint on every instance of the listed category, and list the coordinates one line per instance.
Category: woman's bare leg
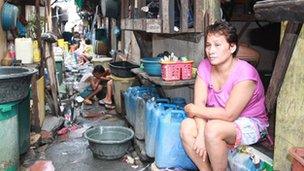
(188, 133)
(108, 98)
(218, 134)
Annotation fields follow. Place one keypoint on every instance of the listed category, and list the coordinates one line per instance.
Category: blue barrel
(152, 125)
(169, 152)
(9, 147)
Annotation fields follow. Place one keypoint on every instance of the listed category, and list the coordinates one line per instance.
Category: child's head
(225, 29)
(87, 41)
(98, 71)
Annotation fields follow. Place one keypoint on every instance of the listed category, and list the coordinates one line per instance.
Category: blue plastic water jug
(139, 126)
(132, 104)
(169, 152)
(126, 95)
(152, 125)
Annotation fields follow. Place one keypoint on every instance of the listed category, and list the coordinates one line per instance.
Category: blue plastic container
(152, 125)
(169, 152)
(127, 97)
(139, 125)
(179, 101)
(152, 66)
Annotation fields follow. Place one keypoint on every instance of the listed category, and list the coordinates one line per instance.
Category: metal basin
(109, 142)
(15, 83)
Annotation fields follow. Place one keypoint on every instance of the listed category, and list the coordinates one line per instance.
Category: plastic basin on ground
(109, 142)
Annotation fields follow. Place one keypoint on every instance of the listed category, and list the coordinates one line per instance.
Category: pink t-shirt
(242, 71)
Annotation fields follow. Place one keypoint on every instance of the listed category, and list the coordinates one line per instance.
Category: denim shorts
(86, 92)
(248, 131)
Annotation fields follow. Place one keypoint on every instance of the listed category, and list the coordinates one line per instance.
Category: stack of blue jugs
(169, 151)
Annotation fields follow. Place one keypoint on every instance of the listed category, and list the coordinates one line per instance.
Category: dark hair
(99, 69)
(87, 41)
(224, 28)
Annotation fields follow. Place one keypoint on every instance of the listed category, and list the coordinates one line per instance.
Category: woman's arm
(200, 92)
(239, 97)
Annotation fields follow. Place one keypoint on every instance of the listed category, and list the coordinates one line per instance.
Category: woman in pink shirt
(228, 106)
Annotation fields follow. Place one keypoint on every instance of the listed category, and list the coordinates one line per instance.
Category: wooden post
(287, 46)
(199, 8)
(50, 63)
(167, 13)
(184, 15)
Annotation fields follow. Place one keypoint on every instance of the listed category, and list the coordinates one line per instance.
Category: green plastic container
(24, 124)
(9, 148)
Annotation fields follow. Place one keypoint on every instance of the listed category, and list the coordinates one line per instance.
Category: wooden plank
(199, 12)
(167, 15)
(184, 15)
(129, 24)
(138, 24)
(153, 25)
(285, 52)
(123, 23)
(50, 63)
(280, 10)
(35, 120)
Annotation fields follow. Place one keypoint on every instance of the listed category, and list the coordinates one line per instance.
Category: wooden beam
(200, 7)
(167, 13)
(184, 15)
(50, 63)
(280, 10)
(285, 53)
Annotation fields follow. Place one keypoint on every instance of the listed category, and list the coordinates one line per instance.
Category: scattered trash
(130, 160)
(79, 99)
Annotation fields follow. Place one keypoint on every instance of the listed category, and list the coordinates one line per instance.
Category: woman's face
(218, 50)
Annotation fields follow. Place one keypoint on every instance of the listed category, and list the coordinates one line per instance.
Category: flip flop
(109, 106)
(102, 102)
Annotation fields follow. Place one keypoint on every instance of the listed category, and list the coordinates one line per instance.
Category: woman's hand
(190, 109)
(199, 147)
